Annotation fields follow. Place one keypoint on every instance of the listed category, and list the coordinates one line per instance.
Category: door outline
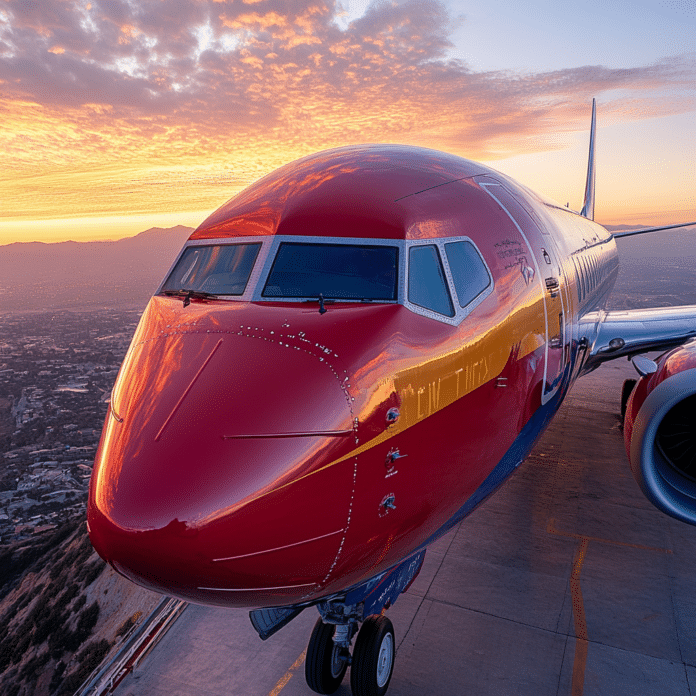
(547, 393)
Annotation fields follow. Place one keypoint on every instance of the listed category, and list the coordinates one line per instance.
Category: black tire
(625, 394)
(373, 657)
(324, 666)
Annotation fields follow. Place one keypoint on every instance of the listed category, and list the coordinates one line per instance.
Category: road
(567, 582)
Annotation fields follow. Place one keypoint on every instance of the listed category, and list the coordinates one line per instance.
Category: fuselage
(268, 447)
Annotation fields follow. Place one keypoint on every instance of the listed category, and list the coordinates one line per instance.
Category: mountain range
(80, 275)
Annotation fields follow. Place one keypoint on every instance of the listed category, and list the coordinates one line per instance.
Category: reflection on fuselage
(256, 436)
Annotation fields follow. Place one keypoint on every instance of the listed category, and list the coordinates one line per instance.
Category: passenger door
(550, 276)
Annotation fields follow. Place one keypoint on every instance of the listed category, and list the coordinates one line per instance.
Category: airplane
(344, 361)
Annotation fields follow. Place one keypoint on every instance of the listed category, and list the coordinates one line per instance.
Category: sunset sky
(119, 115)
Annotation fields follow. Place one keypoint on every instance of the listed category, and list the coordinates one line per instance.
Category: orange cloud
(254, 19)
(301, 40)
(134, 100)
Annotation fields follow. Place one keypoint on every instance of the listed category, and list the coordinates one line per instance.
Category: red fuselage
(260, 453)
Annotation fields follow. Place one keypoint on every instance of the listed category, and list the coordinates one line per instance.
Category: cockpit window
(218, 270)
(469, 273)
(336, 271)
(427, 286)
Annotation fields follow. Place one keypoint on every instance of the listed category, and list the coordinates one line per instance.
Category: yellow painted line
(581, 639)
(576, 592)
(551, 529)
(579, 620)
(288, 675)
(431, 386)
(579, 664)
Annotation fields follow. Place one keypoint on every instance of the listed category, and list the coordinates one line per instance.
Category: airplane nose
(207, 435)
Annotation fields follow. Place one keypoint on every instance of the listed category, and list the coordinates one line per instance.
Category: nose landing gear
(372, 662)
(328, 653)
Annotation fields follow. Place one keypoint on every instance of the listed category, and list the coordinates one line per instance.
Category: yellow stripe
(576, 591)
(581, 639)
(551, 529)
(437, 383)
(431, 386)
(579, 665)
(288, 675)
(579, 619)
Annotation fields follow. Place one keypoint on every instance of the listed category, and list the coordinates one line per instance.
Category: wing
(645, 230)
(623, 333)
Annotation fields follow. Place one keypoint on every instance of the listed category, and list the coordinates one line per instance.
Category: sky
(120, 115)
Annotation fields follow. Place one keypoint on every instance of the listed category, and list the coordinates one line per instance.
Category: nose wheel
(373, 657)
(327, 661)
(372, 662)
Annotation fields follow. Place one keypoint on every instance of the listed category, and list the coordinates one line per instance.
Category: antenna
(588, 205)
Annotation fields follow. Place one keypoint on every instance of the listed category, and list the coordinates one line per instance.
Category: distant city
(56, 374)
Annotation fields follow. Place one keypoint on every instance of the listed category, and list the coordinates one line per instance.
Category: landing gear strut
(372, 663)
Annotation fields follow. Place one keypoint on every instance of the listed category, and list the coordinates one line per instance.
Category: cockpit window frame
(183, 283)
(269, 248)
(461, 313)
(253, 279)
(277, 240)
(441, 282)
(333, 278)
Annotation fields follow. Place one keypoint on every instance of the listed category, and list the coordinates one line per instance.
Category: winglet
(588, 205)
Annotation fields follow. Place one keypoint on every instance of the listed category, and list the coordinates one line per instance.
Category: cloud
(274, 63)
(101, 83)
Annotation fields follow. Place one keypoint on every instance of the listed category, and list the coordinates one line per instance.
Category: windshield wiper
(186, 295)
(322, 302)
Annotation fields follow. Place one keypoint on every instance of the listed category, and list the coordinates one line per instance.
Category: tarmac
(567, 582)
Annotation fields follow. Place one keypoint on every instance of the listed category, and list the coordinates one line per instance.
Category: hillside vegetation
(61, 612)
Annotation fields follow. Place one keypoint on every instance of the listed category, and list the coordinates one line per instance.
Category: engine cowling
(660, 433)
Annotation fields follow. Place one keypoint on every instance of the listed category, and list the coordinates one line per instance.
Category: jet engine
(660, 431)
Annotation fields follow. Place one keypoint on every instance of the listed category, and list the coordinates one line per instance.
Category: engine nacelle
(660, 434)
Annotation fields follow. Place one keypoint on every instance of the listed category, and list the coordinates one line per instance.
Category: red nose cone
(195, 482)
(197, 414)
